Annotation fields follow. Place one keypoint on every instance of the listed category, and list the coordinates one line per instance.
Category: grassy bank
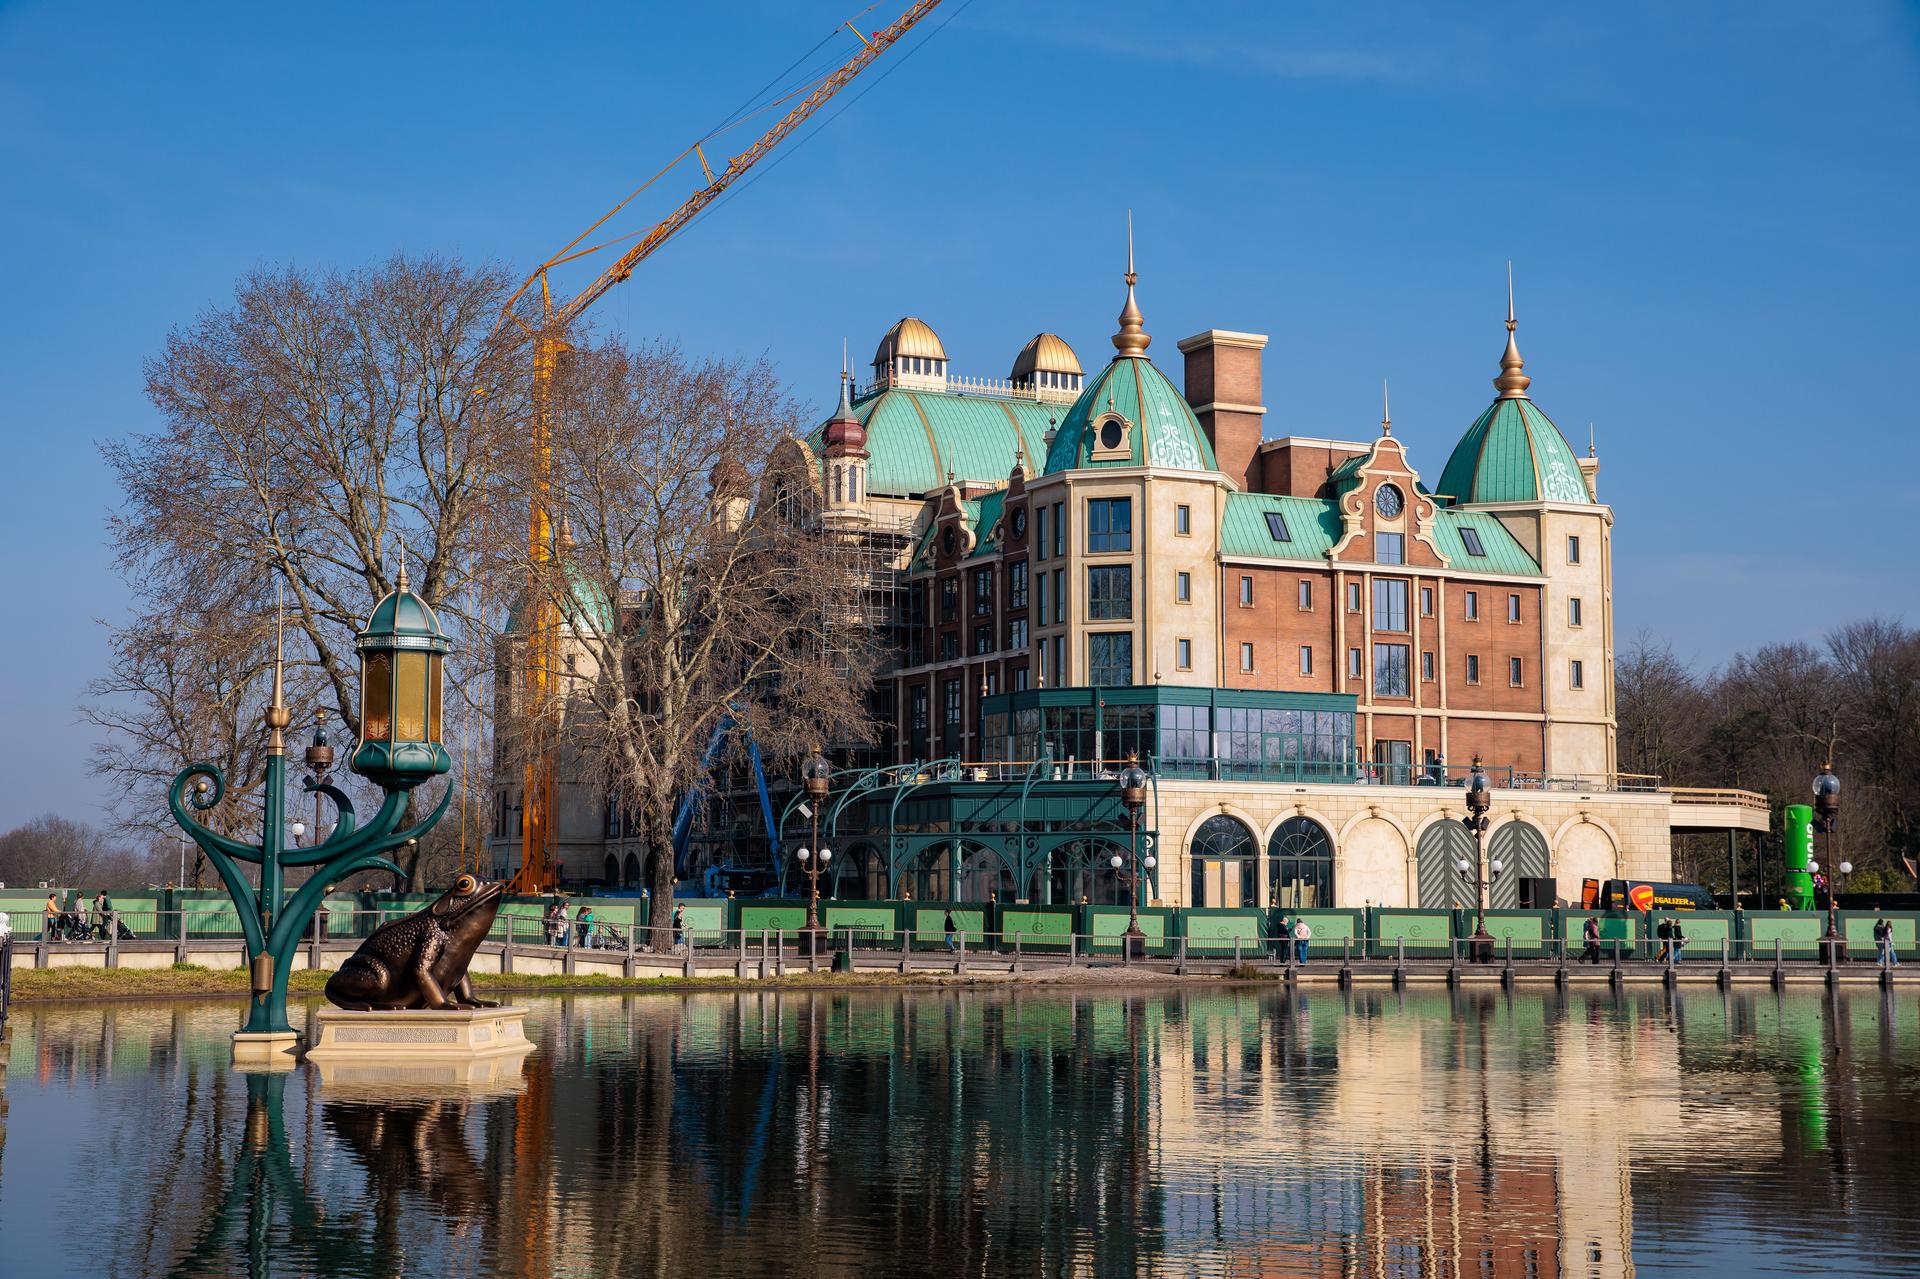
(30, 984)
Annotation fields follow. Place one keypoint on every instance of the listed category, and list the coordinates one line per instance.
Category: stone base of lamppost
(1833, 947)
(815, 942)
(1135, 941)
(1480, 946)
(266, 1050)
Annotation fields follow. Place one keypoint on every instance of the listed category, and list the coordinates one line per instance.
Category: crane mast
(537, 871)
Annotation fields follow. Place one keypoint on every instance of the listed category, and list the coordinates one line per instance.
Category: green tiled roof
(1314, 523)
(915, 437)
(983, 516)
(1503, 554)
(1166, 433)
(1316, 527)
(1513, 453)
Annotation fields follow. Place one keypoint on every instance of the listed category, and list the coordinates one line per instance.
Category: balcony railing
(1298, 772)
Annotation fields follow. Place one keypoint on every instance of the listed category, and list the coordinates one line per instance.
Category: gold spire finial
(1512, 383)
(277, 716)
(1386, 410)
(400, 581)
(1132, 339)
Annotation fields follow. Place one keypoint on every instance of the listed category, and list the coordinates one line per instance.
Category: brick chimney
(1223, 386)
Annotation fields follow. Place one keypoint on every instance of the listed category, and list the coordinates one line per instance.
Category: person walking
(1677, 937)
(585, 923)
(1665, 933)
(1883, 943)
(679, 925)
(1590, 934)
(1285, 935)
(953, 939)
(50, 918)
(566, 929)
(1301, 936)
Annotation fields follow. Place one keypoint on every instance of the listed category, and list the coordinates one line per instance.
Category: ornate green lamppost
(402, 654)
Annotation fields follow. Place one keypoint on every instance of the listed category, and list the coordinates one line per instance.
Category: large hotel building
(1306, 640)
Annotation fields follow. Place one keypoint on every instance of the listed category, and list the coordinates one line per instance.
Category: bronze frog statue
(421, 961)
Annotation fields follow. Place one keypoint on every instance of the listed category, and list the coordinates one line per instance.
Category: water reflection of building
(1211, 1131)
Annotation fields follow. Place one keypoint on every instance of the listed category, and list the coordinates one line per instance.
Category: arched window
(839, 484)
(610, 872)
(1300, 865)
(1223, 862)
(632, 870)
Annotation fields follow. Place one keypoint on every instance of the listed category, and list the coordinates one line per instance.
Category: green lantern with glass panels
(402, 672)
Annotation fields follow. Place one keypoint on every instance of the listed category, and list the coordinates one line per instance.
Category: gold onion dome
(909, 337)
(1132, 338)
(1044, 353)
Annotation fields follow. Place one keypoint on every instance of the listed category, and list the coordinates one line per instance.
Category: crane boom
(536, 873)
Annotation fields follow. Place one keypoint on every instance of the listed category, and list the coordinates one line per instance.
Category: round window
(1111, 433)
(1020, 521)
(1387, 500)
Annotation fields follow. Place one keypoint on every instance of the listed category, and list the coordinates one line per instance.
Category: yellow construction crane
(537, 869)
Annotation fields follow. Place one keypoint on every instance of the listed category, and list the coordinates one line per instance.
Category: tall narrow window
(1573, 611)
(1573, 548)
(1246, 657)
(1390, 670)
(1473, 668)
(1579, 673)
(1306, 594)
(1390, 548)
(1110, 659)
(1353, 597)
(1110, 592)
(1426, 668)
(1109, 525)
(1389, 604)
(1513, 608)
(1183, 654)
(982, 592)
(1473, 606)
(1040, 599)
(1059, 529)
(1040, 531)
(1353, 663)
(1059, 595)
(1017, 584)
(1246, 592)
(1426, 601)
(1183, 588)
(1514, 671)
(1183, 520)
(1306, 659)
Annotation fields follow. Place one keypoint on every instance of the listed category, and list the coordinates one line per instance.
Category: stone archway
(1521, 850)
(1084, 869)
(1300, 865)
(630, 870)
(1223, 864)
(1373, 864)
(1441, 886)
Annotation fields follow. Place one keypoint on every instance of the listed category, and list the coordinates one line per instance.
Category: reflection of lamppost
(1133, 796)
(1479, 800)
(402, 652)
(815, 774)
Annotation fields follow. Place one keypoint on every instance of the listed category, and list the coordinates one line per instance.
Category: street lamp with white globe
(1133, 797)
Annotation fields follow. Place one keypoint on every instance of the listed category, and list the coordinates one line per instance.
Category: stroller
(607, 937)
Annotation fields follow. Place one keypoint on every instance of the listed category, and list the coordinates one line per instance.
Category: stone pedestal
(424, 1047)
(275, 1050)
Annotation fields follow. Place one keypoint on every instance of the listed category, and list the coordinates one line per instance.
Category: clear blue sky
(1711, 209)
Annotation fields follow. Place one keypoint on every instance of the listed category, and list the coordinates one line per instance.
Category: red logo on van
(1641, 895)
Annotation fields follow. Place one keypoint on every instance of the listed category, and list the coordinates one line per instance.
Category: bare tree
(70, 854)
(313, 432)
(693, 585)
(1658, 703)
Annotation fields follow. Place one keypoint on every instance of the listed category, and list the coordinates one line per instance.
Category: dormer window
(1110, 437)
(1470, 538)
(1277, 527)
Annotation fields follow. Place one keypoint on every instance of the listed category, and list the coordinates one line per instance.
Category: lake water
(1179, 1131)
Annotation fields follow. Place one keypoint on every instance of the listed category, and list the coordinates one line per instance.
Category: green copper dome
(1164, 430)
(1513, 453)
(914, 439)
